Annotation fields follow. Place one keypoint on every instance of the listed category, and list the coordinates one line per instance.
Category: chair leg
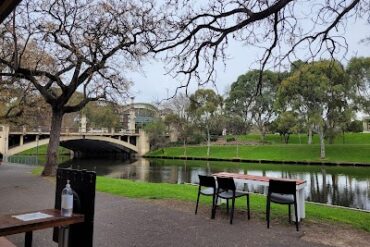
(227, 206)
(296, 214)
(232, 210)
(213, 207)
(290, 217)
(248, 208)
(196, 207)
(268, 212)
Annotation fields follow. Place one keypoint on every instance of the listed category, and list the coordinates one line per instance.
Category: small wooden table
(264, 181)
(10, 225)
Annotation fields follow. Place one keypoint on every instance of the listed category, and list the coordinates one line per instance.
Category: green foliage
(156, 131)
(358, 70)
(236, 125)
(355, 126)
(285, 124)
(245, 102)
(102, 115)
(230, 139)
(204, 103)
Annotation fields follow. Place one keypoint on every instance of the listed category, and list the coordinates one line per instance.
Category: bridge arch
(82, 144)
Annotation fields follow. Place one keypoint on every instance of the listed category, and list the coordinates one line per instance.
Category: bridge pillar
(21, 140)
(132, 117)
(143, 143)
(83, 123)
(4, 140)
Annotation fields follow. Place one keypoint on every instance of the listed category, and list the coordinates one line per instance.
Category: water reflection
(345, 186)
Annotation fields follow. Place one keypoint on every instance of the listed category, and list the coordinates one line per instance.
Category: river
(344, 186)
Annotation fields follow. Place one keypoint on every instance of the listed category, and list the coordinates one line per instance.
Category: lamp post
(37, 138)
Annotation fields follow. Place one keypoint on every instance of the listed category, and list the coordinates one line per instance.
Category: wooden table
(10, 225)
(264, 181)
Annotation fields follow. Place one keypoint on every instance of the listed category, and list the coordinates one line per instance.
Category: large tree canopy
(89, 46)
(242, 101)
(198, 33)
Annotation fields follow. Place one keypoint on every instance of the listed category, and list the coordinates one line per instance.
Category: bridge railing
(46, 129)
(22, 159)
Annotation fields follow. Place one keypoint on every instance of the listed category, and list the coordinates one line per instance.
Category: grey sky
(155, 85)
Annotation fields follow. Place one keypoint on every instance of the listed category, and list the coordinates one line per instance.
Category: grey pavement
(120, 221)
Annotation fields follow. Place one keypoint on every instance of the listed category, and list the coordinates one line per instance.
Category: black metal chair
(282, 192)
(226, 189)
(210, 190)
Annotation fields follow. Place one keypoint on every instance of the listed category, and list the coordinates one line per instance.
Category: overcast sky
(154, 84)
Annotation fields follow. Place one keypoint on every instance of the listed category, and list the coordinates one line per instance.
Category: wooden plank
(10, 225)
(254, 178)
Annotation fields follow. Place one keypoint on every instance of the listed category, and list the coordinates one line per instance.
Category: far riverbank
(336, 154)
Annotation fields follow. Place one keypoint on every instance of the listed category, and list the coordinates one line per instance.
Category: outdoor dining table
(37, 220)
(264, 181)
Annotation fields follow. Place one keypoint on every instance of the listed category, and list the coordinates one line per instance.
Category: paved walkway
(130, 222)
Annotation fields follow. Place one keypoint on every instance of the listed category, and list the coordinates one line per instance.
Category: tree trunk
(237, 147)
(322, 142)
(185, 147)
(52, 155)
(208, 141)
(310, 134)
(263, 133)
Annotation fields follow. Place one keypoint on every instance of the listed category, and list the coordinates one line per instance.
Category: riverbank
(336, 154)
(315, 213)
(123, 221)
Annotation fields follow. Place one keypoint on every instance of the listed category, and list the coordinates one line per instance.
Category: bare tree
(199, 32)
(90, 46)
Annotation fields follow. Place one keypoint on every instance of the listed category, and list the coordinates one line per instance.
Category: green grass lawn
(42, 150)
(314, 212)
(349, 138)
(282, 152)
(184, 192)
(22, 158)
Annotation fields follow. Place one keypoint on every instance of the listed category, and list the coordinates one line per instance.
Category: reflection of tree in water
(345, 196)
(319, 193)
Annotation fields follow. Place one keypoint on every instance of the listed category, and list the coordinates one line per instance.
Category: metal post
(28, 239)
(37, 148)
(63, 236)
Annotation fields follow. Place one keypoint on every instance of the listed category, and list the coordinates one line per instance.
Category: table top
(254, 177)
(11, 225)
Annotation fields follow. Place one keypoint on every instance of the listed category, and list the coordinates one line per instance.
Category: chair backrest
(226, 183)
(282, 186)
(207, 181)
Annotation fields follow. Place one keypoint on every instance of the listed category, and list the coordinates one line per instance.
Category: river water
(344, 186)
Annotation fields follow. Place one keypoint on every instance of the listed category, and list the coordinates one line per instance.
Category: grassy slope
(349, 138)
(43, 151)
(64, 154)
(297, 152)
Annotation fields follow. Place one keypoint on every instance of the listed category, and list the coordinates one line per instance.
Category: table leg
(63, 236)
(302, 204)
(28, 239)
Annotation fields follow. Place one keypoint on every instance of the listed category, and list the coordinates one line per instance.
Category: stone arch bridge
(90, 143)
